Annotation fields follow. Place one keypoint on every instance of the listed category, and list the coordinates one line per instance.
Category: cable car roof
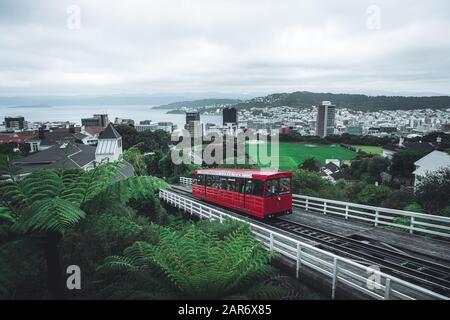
(243, 173)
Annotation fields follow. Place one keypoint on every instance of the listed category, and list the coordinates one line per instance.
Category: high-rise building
(193, 124)
(192, 116)
(104, 120)
(15, 123)
(326, 114)
(98, 120)
(230, 116)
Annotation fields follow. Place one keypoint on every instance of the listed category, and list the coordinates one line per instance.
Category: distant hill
(352, 101)
(199, 103)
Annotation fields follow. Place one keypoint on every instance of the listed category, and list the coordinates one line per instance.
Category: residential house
(431, 163)
(71, 153)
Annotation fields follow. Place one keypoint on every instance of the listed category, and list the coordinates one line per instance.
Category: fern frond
(137, 188)
(54, 215)
(6, 215)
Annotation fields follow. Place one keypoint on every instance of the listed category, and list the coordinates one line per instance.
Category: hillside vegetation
(352, 101)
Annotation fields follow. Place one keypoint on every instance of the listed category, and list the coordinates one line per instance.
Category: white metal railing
(404, 220)
(365, 279)
(186, 181)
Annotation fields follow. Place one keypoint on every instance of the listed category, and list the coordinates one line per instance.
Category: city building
(146, 126)
(230, 116)
(167, 126)
(15, 123)
(120, 121)
(45, 139)
(16, 138)
(356, 131)
(72, 154)
(192, 116)
(98, 120)
(104, 120)
(109, 145)
(326, 115)
(193, 124)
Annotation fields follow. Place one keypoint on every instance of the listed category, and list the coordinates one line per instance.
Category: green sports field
(291, 154)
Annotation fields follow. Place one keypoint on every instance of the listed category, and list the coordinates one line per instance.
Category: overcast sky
(229, 46)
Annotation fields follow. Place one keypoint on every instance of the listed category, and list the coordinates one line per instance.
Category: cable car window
(231, 184)
(216, 182)
(223, 183)
(285, 185)
(248, 186)
(201, 179)
(209, 181)
(273, 188)
(240, 185)
(258, 188)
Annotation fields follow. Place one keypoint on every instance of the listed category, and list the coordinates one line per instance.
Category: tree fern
(50, 201)
(55, 215)
(199, 264)
(6, 215)
(140, 187)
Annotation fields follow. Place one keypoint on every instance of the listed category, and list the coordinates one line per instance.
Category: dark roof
(80, 136)
(70, 155)
(331, 166)
(109, 133)
(343, 175)
(57, 137)
(426, 146)
(53, 138)
(391, 147)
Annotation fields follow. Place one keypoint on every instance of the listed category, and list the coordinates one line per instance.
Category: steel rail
(339, 269)
(390, 260)
(433, 275)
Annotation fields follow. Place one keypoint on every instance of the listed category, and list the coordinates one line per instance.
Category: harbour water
(76, 112)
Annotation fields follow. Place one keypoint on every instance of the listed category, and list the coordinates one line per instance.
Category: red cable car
(259, 193)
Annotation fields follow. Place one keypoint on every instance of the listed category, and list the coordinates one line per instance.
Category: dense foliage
(120, 236)
(147, 141)
(351, 101)
(195, 263)
(433, 192)
(46, 204)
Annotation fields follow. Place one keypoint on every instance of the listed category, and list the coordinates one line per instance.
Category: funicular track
(426, 273)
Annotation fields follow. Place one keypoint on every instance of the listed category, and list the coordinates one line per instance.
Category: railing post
(387, 289)
(271, 242)
(324, 207)
(335, 273)
(307, 204)
(299, 260)
(346, 211)
(411, 226)
(376, 218)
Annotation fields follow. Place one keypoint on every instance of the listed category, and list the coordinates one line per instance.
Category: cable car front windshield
(278, 186)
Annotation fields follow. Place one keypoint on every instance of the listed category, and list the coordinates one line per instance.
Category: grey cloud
(235, 46)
